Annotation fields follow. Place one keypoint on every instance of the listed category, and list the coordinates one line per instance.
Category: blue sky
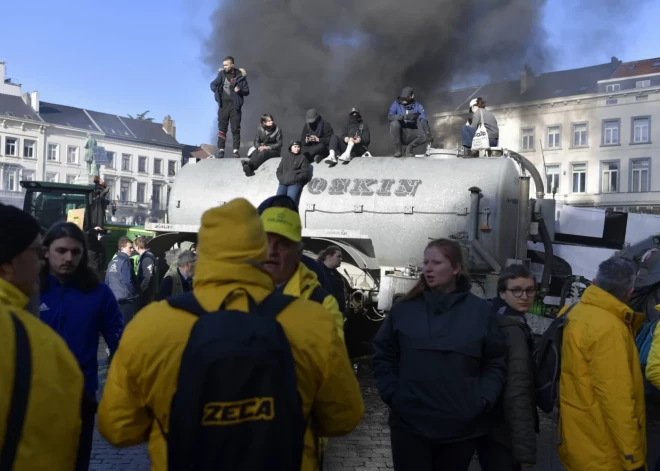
(131, 56)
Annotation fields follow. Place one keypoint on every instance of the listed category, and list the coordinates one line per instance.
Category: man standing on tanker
(230, 87)
(408, 123)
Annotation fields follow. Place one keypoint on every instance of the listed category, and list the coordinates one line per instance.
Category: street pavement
(366, 449)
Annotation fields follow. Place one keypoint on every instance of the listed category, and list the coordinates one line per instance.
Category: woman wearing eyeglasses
(514, 423)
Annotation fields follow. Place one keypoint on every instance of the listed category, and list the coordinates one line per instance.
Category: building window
(641, 129)
(125, 191)
(642, 83)
(71, 179)
(52, 177)
(611, 132)
(579, 173)
(615, 87)
(642, 98)
(72, 155)
(552, 178)
(28, 148)
(126, 163)
(53, 152)
(580, 135)
(11, 146)
(527, 139)
(111, 159)
(611, 101)
(10, 181)
(155, 195)
(554, 137)
(171, 168)
(158, 167)
(609, 177)
(28, 175)
(111, 187)
(142, 164)
(141, 192)
(641, 175)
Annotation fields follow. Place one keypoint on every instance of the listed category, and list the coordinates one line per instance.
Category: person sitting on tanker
(477, 110)
(354, 140)
(316, 137)
(409, 125)
(267, 144)
(293, 173)
(285, 250)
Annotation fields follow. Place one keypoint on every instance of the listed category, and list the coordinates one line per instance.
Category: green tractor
(50, 203)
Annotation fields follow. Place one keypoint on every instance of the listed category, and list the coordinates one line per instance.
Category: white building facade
(46, 142)
(596, 144)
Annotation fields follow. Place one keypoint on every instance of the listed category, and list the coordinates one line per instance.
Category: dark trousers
(411, 137)
(292, 191)
(310, 151)
(89, 406)
(128, 310)
(495, 457)
(413, 453)
(257, 158)
(226, 114)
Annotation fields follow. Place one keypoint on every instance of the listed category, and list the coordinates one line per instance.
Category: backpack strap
(20, 394)
(274, 303)
(187, 302)
(318, 295)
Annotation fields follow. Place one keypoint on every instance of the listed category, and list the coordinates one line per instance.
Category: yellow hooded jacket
(602, 423)
(303, 283)
(653, 360)
(143, 374)
(51, 431)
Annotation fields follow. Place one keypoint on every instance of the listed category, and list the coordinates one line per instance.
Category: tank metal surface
(385, 209)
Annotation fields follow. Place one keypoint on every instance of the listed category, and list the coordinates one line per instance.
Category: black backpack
(236, 406)
(547, 364)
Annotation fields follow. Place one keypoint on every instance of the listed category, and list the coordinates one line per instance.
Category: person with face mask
(440, 365)
(267, 144)
(409, 125)
(602, 414)
(513, 423)
(354, 141)
(478, 112)
(41, 384)
(317, 138)
(78, 306)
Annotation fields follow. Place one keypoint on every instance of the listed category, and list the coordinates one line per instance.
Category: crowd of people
(456, 371)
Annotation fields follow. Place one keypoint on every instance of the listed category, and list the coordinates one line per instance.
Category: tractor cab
(50, 202)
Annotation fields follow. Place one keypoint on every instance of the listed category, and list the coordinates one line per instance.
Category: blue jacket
(79, 317)
(121, 279)
(440, 363)
(397, 112)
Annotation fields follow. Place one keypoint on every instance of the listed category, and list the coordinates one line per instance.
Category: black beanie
(18, 231)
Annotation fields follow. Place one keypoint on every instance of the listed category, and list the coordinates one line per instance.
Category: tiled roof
(63, 115)
(633, 69)
(545, 86)
(15, 107)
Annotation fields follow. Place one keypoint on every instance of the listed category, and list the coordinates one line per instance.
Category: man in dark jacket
(147, 275)
(178, 278)
(97, 233)
(267, 145)
(230, 87)
(78, 306)
(408, 123)
(121, 279)
(318, 138)
(354, 140)
(514, 422)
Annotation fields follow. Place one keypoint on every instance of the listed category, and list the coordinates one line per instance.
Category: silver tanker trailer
(383, 211)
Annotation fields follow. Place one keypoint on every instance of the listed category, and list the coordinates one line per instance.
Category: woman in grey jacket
(439, 364)
(477, 111)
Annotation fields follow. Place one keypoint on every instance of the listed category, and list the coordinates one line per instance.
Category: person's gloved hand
(397, 117)
(412, 116)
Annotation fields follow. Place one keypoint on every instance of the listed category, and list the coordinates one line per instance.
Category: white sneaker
(332, 158)
(345, 157)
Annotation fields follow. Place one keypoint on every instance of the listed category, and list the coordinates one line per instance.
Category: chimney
(615, 60)
(34, 101)
(169, 127)
(526, 79)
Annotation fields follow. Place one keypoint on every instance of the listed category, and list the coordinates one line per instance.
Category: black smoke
(333, 55)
